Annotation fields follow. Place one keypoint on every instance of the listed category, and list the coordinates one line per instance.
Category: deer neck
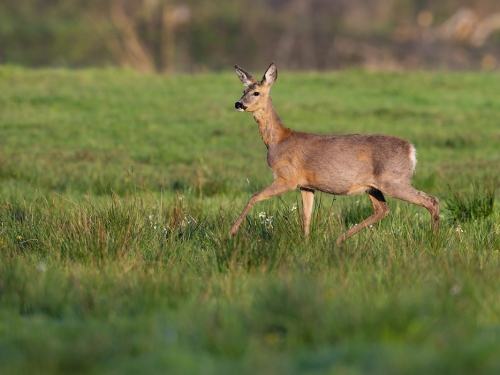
(270, 126)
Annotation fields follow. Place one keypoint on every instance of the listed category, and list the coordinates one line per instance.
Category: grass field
(117, 191)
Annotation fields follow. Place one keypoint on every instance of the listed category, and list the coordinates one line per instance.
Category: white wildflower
(455, 290)
(41, 267)
(269, 222)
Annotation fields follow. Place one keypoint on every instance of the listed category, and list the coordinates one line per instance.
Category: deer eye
(256, 94)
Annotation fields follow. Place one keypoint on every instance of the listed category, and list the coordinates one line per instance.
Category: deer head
(257, 93)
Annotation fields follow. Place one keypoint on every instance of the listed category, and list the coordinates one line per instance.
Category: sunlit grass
(117, 195)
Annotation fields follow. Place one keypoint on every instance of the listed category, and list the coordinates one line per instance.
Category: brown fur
(336, 164)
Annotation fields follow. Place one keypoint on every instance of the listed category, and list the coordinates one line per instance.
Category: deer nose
(238, 106)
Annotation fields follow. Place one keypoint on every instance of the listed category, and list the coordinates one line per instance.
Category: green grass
(117, 192)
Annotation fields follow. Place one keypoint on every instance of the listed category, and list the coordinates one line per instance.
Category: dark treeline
(197, 35)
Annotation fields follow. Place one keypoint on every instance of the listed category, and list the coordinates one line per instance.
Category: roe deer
(335, 164)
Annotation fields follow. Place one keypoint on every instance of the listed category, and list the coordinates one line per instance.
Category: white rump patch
(413, 157)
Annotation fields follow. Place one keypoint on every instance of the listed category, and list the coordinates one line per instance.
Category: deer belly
(339, 182)
(352, 190)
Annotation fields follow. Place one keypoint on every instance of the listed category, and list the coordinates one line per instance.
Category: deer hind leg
(307, 206)
(412, 195)
(380, 210)
(276, 188)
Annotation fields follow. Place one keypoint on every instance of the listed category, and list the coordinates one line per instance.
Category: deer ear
(270, 75)
(245, 77)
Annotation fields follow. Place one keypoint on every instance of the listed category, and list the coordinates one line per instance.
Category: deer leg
(412, 195)
(276, 188)
(307, 206)
(380, 209)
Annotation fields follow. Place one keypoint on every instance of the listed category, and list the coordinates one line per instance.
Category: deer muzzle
(239, 106)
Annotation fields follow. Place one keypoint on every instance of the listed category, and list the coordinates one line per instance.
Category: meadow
(117, 192)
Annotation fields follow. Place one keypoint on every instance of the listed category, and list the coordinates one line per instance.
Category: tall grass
(472, 205)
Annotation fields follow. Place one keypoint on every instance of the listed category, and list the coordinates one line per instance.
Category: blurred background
(202, 35)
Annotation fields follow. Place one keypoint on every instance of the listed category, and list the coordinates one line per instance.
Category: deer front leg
(276, 188)
(307, 206)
